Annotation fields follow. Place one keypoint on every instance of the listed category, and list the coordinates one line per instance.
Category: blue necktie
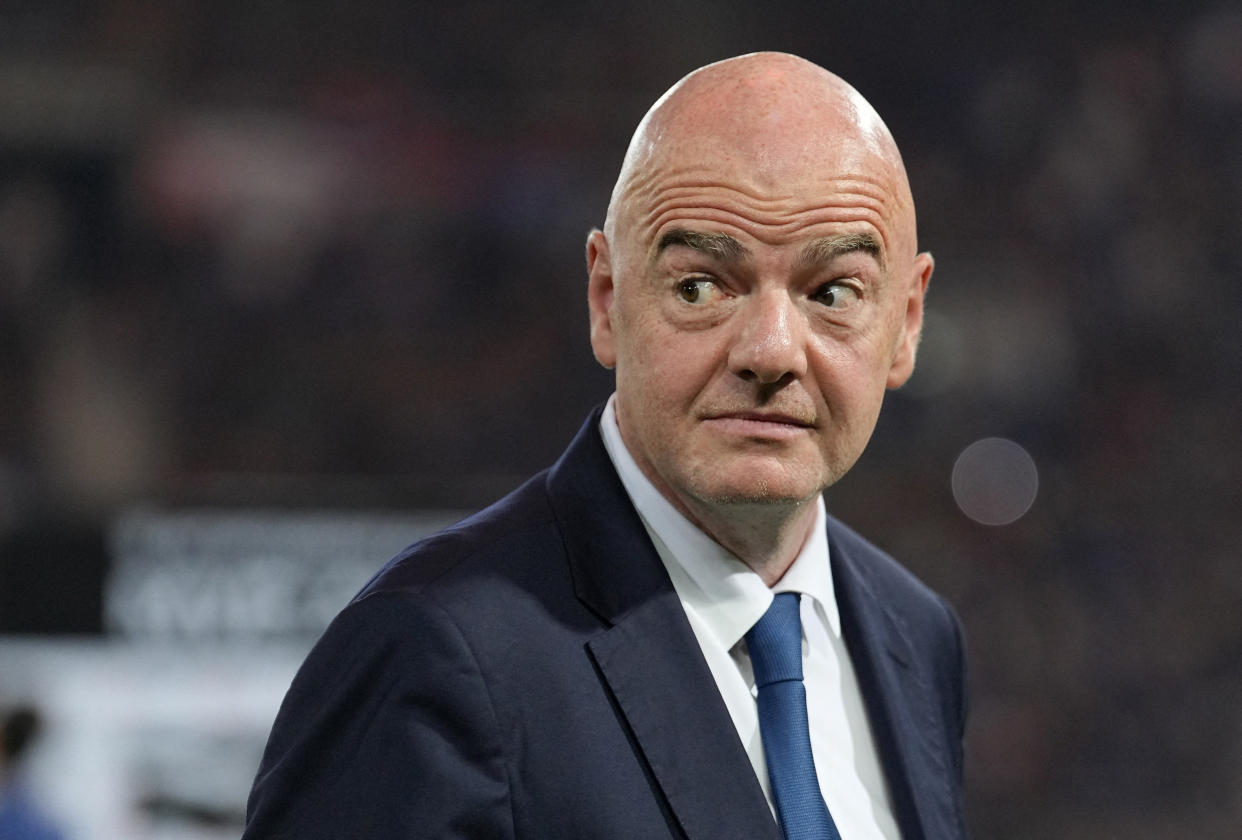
(775, 645)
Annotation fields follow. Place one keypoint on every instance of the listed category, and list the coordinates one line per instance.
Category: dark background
(330, 254)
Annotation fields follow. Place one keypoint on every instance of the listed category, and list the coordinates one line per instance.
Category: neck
(765, 536)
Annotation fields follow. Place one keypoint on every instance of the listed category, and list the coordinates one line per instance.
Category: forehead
(770, 148)
(731, 195)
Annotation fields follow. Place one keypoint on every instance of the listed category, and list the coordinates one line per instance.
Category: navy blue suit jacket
(530, 673)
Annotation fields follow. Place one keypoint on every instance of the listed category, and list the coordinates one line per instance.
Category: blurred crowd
(262, 249)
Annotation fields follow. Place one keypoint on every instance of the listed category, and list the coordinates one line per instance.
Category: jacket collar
(647, 654)
(900, 703)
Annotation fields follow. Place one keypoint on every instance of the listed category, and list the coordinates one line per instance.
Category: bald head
(774, 125)
(757, 290)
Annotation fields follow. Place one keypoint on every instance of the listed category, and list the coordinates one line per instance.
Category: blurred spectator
(21, 817)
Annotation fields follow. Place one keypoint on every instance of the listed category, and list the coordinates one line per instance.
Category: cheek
(661, 372)
(851, 379)
(657, 358)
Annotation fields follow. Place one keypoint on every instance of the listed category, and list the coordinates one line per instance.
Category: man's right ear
(601, 293)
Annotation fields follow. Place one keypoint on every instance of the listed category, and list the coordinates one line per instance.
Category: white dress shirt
(723, 599)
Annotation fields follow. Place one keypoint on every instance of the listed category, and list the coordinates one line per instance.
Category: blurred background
(286, 284)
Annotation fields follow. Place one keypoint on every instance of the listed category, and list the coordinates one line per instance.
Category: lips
(765, 417)
(765, 427)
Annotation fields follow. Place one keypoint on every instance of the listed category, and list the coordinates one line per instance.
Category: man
(578, 661)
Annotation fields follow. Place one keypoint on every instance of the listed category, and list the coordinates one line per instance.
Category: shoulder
(502, 572)
(521, 525)
(869, 581)
(889, 580)
(397, 698)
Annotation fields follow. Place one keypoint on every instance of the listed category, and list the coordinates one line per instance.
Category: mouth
(765, 417)
(760, 424)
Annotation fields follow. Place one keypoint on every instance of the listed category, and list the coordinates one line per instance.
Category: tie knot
(775, 642)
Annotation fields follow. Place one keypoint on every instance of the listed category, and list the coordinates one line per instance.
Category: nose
(770, 342)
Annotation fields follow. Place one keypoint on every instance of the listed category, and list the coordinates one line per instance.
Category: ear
(601, 293)
(912, 325)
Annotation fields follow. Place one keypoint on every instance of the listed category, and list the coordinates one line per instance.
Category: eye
(697, 290)
(836, 295)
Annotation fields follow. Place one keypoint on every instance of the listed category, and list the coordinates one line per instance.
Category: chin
(757, 499)
(754, 488)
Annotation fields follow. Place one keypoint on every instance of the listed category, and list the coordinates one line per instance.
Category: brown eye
(693, 290)
(836, 295)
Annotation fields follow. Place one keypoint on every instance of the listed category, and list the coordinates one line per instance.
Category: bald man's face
(757, 290)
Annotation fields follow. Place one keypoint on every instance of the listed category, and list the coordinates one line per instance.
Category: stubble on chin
(704, 485)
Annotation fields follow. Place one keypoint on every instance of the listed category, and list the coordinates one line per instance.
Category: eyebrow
(726, 248)
(830, 247)
(718, 245)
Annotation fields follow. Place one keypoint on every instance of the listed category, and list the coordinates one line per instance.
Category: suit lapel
(662, 685)
(898, 700)
(648, 656)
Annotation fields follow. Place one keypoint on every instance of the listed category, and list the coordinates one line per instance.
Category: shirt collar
(710, 580)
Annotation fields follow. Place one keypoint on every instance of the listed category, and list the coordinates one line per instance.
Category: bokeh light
(995, 481)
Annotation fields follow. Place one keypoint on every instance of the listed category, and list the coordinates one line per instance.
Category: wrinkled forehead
(790, 135)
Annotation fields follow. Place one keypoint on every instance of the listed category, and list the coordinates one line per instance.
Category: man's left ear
(912, 327)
